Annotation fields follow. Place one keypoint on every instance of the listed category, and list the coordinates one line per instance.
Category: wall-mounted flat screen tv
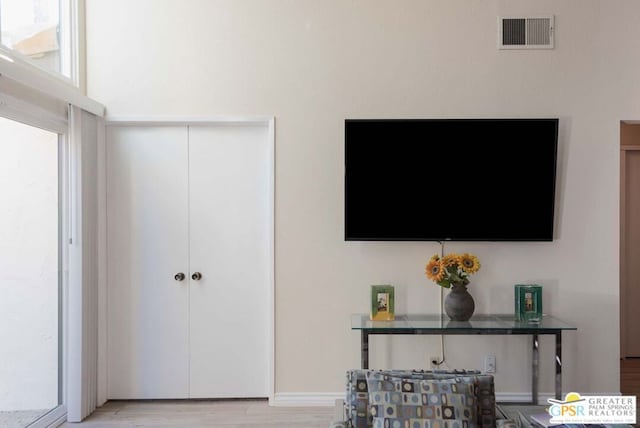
(450, 179)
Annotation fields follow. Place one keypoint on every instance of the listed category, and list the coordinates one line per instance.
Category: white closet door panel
(147, 221)
(229, 174)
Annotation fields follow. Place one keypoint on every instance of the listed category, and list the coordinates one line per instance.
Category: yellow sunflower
(469, 263)
(450, 260)
(434, 257)
(435, 270)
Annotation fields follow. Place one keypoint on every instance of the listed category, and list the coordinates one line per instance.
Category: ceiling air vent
(525, 32)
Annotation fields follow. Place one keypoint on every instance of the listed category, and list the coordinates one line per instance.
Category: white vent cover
(525, 32)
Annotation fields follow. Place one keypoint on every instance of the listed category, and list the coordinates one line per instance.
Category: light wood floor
(196, 414)
(250, 413)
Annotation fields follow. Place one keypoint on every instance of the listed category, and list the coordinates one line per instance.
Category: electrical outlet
(490, 364)
(433, 360)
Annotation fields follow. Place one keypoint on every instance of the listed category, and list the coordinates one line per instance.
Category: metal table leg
(535, 370)
(559, 365)
(364, 349)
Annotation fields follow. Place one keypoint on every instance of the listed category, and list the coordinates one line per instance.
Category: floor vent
(525, 32)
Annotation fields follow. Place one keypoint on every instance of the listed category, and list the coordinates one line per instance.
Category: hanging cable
(442, 357)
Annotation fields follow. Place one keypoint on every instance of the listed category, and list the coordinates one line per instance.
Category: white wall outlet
(433, 362)
(490, 364)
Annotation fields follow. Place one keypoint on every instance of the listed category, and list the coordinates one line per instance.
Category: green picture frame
(528, 302)
(382, 303)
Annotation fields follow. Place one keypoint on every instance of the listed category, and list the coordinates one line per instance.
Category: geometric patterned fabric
(359, 411)
(396, 402)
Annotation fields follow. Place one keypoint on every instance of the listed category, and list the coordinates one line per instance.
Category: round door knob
(196, 276)
(179, 276)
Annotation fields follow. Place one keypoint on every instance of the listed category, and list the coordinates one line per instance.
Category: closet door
(229, 199)
(147, 230)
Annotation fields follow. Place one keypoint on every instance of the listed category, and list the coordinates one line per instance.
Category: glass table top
(506, 322)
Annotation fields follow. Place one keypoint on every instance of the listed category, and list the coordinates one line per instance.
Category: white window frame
(17, 67)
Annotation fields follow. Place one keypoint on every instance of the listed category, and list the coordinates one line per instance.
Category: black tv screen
(450, 179)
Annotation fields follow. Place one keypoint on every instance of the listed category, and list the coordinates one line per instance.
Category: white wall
(312, 64)
(28, 267)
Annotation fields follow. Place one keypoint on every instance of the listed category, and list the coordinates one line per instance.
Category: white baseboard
(306, 399)
(328, 399)
(522, 397)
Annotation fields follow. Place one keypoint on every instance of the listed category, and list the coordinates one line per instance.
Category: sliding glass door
(30, 274)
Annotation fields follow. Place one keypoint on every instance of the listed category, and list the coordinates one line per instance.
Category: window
(40, 31)
(49, 214)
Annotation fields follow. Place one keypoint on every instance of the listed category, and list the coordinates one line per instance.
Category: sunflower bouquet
(452, 269)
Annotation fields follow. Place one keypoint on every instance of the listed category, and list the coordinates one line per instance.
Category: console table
(478, 324)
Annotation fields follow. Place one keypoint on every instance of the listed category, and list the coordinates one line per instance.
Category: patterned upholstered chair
(419, 399)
